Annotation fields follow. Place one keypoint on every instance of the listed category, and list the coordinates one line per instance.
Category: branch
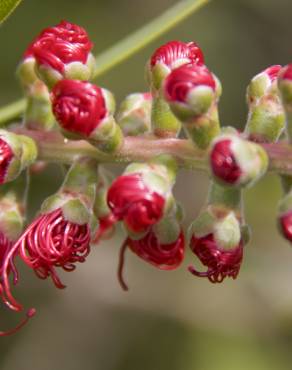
(54, 148)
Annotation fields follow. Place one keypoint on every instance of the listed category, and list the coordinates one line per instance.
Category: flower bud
(217, 242)
(17, 153)
(142, 195)
(63, 51)
(190, 91)
(262, 84)
(84, 110)
(266, 118)
(134, 114)
(133, 201)
(237, 162)
(170, 56)
(38, 114)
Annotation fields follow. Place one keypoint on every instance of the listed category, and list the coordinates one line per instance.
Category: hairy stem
(125, 48)
(53, 147)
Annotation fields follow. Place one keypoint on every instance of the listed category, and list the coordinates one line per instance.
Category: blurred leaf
(7, 7)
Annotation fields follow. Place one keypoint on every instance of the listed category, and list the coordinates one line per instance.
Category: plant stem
(12, 111)
(124, 48)
(52, 147)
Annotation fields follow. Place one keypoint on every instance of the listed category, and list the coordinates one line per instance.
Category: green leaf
(7, 7)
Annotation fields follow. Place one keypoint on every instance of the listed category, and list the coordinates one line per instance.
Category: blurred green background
(168, 320)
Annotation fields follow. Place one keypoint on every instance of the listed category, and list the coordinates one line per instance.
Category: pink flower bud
(223, 162)
(174, 53)
(286, 225)
(60, 45)
(49, 242)
(131, 200)
(221, 263)
(6, 156)
(163, 256)
(78, 106)
(182, 80)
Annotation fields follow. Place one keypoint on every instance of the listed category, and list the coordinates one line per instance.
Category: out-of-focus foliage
(7, 7)
(168, 320)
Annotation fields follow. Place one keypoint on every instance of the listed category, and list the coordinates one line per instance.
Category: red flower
(223, 162)
(131, 200)
(163, 256)
(173, 51)
(49, 242)
(286, 225)
(183, 79)
(78, 106)
(59, 45)
(221, 263)
(6, 155)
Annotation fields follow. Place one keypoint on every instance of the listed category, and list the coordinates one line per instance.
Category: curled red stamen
(221, 263)
(29, 314)
(49, 242)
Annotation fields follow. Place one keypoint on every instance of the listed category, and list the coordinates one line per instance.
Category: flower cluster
(66, 113)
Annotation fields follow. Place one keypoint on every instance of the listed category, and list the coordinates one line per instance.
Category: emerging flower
(131, 200)
(286, 225)
(175, 53)
(235, 161)
(163, 256)
(78, 106)
(49, 242)
(216, 239)
(62, 51)
(221, 263)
